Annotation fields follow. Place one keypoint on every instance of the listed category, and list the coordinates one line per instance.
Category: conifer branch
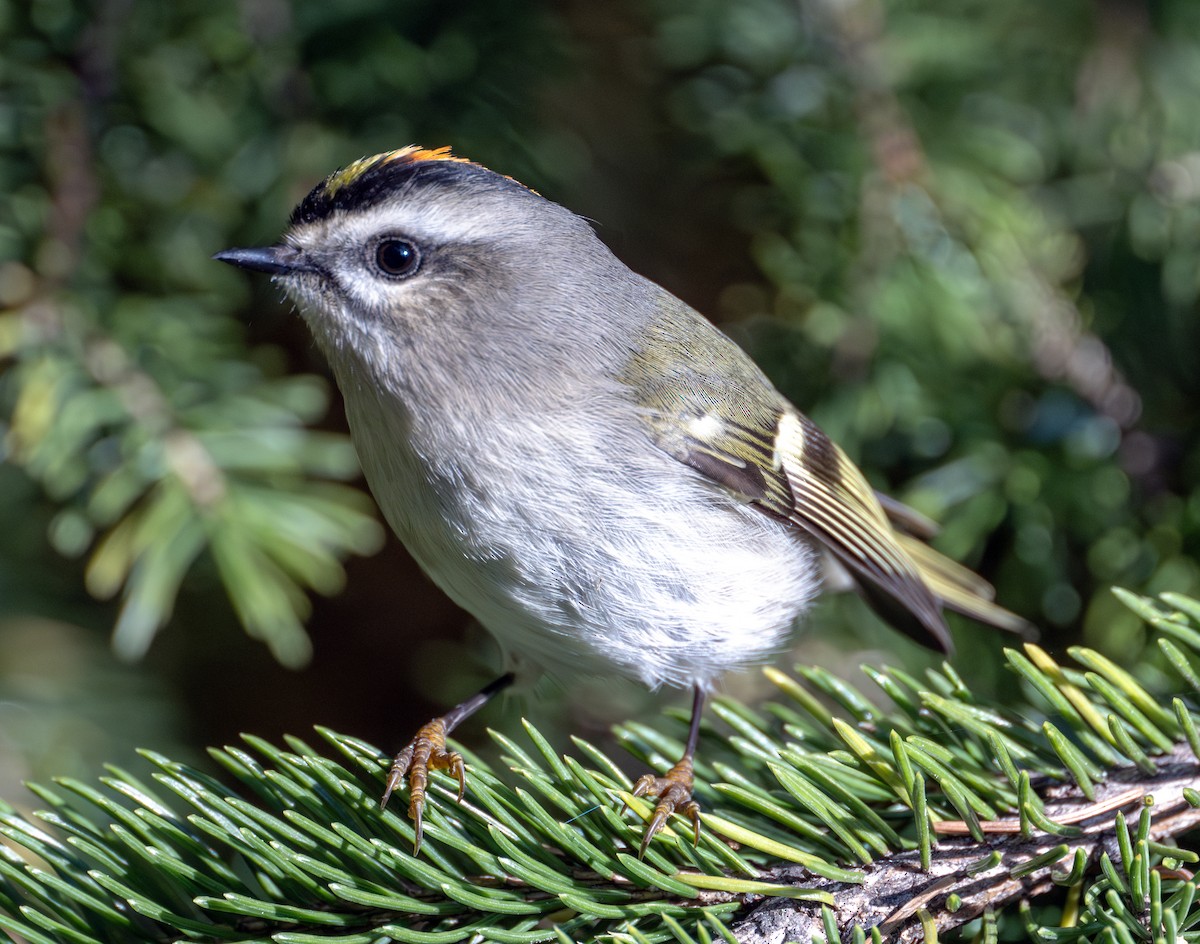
(820, 822)
(1014, 862)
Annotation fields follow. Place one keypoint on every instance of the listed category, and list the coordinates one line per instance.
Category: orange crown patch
(408, 155)
(371, 179)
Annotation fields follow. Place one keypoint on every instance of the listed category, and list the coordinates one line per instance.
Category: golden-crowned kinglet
(574, 455)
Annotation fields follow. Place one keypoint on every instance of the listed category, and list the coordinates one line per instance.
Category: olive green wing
(831, 499)
(778, 461)
(710, 407)
(959, 588)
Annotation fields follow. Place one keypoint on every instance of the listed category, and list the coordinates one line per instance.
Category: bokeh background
(964, 236)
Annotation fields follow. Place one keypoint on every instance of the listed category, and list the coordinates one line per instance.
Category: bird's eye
(397, 258)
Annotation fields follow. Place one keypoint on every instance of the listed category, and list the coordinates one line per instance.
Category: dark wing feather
(786, 466)
(833, 501)
(709, 406)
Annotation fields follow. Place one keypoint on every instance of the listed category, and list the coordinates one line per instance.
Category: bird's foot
(674, 792)
(425, 752)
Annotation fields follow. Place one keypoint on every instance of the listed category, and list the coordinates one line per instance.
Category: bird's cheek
(304, 289)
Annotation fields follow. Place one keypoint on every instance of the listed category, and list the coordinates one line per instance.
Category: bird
(579, 459)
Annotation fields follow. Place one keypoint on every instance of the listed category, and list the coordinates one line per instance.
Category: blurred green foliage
(977, 226)
(964, 236)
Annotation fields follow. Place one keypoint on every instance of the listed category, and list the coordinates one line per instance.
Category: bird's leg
(674, 791)
(427, 751)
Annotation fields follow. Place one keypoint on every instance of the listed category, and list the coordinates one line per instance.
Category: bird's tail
(960, 589)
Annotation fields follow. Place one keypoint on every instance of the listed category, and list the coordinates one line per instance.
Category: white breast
(577, 562)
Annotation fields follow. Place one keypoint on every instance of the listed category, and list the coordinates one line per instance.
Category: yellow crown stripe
(411, 154)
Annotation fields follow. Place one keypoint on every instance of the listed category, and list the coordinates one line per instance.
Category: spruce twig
(1007, 867)
(899, 824)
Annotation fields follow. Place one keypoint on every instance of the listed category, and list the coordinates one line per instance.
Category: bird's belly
(652, 574)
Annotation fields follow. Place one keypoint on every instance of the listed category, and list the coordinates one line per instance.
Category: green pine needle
(297, 849)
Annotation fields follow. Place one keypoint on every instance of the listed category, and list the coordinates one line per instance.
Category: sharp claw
(657, 821)
(459, 769)
(400, 765)
(674, 792)
(426, 752)
(646, 783)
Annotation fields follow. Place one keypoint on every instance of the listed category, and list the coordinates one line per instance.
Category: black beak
(274, 260)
